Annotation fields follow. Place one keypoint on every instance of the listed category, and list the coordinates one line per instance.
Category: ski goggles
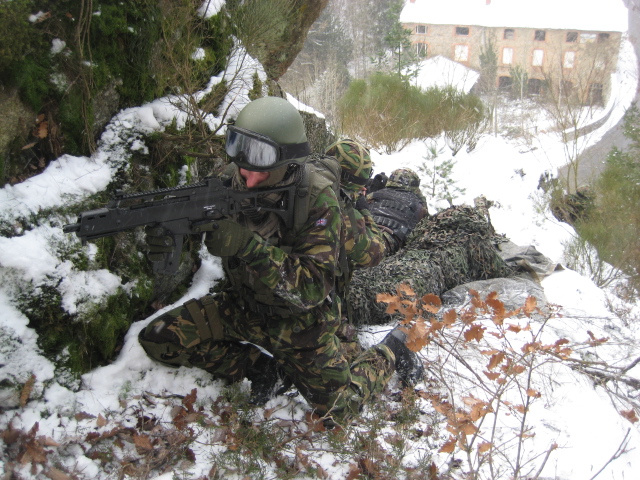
(255, 152)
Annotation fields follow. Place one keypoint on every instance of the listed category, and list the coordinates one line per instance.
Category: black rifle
(180, 211)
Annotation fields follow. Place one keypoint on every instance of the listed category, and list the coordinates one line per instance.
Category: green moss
(14, 18)
(124, 41)
(217, 39)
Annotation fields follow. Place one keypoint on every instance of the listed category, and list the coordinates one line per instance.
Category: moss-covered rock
(15, 124)
(63, 75)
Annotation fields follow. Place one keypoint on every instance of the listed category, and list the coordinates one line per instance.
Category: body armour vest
(398, 210)
(244, 284)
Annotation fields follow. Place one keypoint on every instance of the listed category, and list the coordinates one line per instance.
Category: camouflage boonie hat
(404, 178)
(355, 162)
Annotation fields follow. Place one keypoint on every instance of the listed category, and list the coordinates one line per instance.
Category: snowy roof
(439, 71)
(598, 15)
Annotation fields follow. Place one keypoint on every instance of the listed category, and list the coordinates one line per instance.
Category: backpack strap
(302, 200)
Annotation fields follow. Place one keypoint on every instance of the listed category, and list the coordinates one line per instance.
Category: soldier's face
(253, 179)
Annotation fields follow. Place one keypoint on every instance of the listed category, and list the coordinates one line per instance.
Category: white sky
(599, 15)
(575, 415)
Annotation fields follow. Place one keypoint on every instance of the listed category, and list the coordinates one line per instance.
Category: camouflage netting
(455, 246)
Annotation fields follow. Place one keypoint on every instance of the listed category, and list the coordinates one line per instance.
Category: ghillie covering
(450, 248)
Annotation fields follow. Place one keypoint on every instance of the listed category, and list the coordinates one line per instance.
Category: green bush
(612, 225)
(387, 112)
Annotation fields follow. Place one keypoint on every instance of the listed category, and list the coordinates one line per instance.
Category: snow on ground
(574, 415)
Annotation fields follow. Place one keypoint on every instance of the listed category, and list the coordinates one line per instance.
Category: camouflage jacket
(291, 270)
(363, 242)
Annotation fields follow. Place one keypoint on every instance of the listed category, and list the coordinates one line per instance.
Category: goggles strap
(297, 150)
(349, 177)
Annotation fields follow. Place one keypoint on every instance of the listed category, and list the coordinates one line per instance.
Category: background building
(558, 46)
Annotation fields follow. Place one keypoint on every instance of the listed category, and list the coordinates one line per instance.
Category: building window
(569, 59)
(603, 37)
(538, 58)
(505, 83)
(535, 86)
(595, 94)
(421, 29)
(461, 53)
(572, 37)
(587, 37)
(421, 49)
(509, 33)
(540, 35)
(464, 31)
(507, 56)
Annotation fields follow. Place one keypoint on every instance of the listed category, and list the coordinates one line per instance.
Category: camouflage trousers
(218, 335)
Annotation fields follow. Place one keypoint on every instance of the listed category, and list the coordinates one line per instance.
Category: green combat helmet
(268, 134)
(355, 163)
(406, 179)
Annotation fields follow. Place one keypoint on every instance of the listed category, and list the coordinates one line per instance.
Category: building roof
(439, 71)
(592, 15)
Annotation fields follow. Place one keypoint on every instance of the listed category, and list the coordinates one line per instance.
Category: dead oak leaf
(42, 130)
(418, 337)
(630, 415)
(142, 441)
(449, 317)
(101, 421)
(474, 332)
(492, 375)
(449, 446)
(484, 447)
(533, 393)
(405, 289)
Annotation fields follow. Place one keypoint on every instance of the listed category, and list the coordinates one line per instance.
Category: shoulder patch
(321, 222)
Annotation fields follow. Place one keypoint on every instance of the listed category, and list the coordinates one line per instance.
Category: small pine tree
(520, 81)
(440, 185)
(488, 66)
(398, 56)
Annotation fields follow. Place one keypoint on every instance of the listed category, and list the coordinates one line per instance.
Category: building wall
(589, 59)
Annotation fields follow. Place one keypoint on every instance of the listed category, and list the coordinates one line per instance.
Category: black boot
(267, 380)
(408, 365)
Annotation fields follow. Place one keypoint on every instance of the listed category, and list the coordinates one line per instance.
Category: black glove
(361, 203)
(159, 242)
(227, 238)
(377, 183)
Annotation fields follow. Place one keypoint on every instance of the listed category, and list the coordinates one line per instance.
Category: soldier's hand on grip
(227, 239)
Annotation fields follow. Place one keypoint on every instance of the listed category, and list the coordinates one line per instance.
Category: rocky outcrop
(15, 122)
(305, 13)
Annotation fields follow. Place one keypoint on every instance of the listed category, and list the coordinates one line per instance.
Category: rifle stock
(180, 211)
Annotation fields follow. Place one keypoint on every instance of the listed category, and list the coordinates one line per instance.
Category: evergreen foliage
(612, 225)
(439, 185)
(520, 81)
(397, 41)
(488, 66)
(387, 112)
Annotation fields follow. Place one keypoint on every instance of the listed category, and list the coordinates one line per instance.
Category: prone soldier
(398, 207)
